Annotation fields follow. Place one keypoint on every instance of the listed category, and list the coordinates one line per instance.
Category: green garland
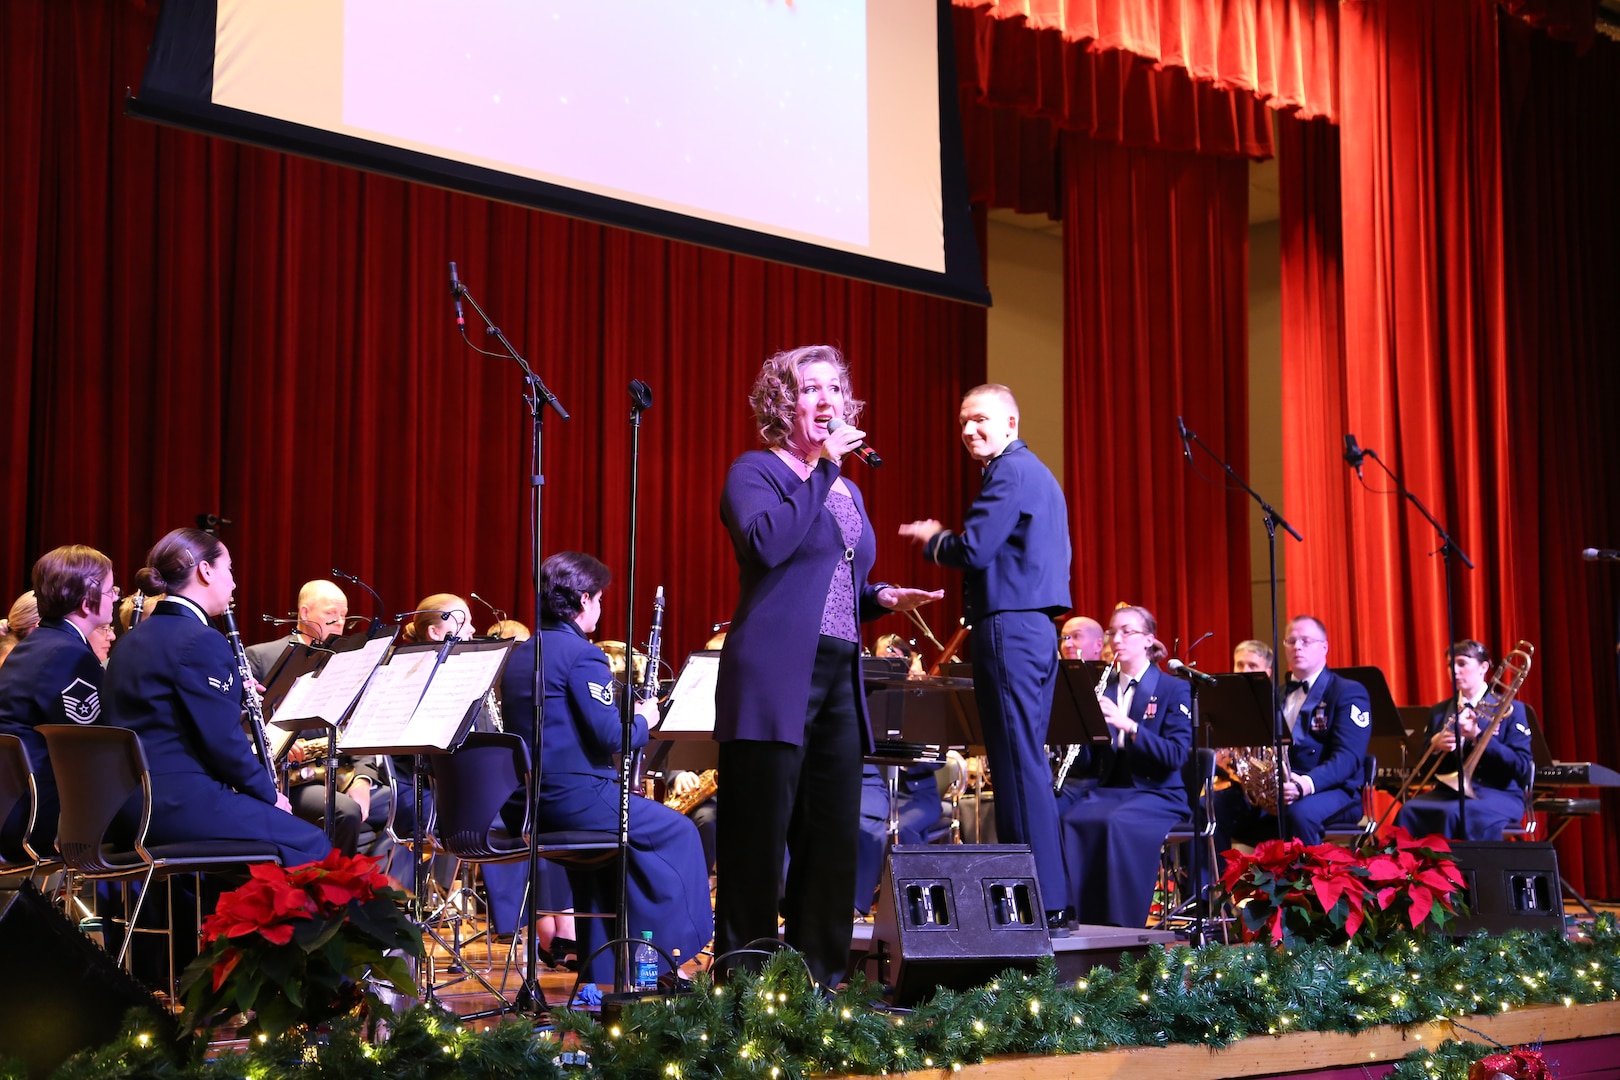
(776, 1026)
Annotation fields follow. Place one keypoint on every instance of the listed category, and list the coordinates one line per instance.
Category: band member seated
(1081, 639)
(1253, 656)
(174, 681)
(53, 676)
(362, 799)
(579, 783)
(1330, 718)
(1123, 798)
(1505, 765)
(18, 623)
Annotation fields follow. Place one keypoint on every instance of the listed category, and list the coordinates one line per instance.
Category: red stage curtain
(1424, 336)
(1108, 94)
(1475, 311)
(1314, 379)
(1560, 153)
(194, 326)
(1155, 325)
(1280, 52)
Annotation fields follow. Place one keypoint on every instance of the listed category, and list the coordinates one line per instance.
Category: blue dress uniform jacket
(51, 677)
(1014, 543)
(787, 545)
(1116, 818)
(579, 789)
(1505, 769)
(173, 681)
(1330, 740)
(1014, 553)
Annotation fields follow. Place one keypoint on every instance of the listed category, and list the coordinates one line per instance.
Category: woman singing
(790, 715)
(579, 783)
(174, 681)
(1116, 818)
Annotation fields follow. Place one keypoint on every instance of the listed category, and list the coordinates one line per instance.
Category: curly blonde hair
(776, 391)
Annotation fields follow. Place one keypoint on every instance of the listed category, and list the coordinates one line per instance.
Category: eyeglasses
(1121, 631)
(1303, 642)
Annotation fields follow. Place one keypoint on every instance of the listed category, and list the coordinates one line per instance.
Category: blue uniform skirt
(668, 880)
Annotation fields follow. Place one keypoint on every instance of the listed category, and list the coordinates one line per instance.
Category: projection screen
(821, 133)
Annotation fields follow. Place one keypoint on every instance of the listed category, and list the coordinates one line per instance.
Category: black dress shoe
(1057, 922)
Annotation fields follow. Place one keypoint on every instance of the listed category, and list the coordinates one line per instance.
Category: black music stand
(1077, 717)
(403, 712)
(330, 705)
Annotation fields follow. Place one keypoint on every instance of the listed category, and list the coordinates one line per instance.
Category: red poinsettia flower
(225, 965)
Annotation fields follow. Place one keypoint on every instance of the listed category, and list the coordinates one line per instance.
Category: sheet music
(327, 695)
(391, 697)
(691, 705)
(462, 679)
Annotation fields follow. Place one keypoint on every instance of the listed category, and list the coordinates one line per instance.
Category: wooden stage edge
(1318, 1052)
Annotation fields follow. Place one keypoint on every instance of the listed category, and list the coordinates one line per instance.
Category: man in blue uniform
(54, 676)
(1505, 765)
(1330, 718)
(1014, 551)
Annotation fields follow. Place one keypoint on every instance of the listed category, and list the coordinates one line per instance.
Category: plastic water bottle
(646, 964)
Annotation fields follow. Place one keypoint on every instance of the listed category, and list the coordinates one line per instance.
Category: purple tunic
(787, 544)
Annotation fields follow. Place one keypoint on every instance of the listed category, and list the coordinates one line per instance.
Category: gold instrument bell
(615, 655)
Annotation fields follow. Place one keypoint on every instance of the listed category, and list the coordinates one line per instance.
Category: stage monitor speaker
(1511, 885)
(61, 993)
(957, 915)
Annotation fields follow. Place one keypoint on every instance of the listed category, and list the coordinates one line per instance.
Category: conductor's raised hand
(921, 531)
(899, 598)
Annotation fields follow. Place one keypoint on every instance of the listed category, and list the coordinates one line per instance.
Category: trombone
(1494, 709)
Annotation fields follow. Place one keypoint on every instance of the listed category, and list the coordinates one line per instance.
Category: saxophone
(1072, 753)
(250, 696)
(708, 784)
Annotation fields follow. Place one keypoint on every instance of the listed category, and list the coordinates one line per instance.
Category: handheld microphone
(1354, 454)
(1191, 674)
(455, 295)
(1600, 555)
(1186, 441)
(862, 451)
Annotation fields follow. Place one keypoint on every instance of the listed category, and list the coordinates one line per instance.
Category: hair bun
(150, 582)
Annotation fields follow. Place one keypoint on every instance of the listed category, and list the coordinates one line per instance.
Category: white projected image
(749, 109)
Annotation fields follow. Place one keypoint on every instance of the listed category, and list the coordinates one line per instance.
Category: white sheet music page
(691, 705)
(384, 712)
(461, 680)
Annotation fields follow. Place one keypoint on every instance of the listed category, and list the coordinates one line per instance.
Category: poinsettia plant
(1288, 893)
(301, 945)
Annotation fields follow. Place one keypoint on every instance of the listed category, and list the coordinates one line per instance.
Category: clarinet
(648, 690)
(250, 696)
(1072, 753)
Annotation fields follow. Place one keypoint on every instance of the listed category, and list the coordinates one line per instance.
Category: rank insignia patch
(81, 702)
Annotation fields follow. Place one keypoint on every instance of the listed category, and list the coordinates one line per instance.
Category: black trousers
(801, 804)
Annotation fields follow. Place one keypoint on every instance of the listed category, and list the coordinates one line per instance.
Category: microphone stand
(536, 397)
(376, 620)
(640, 402)
(1272, 520)
(1448, 548)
